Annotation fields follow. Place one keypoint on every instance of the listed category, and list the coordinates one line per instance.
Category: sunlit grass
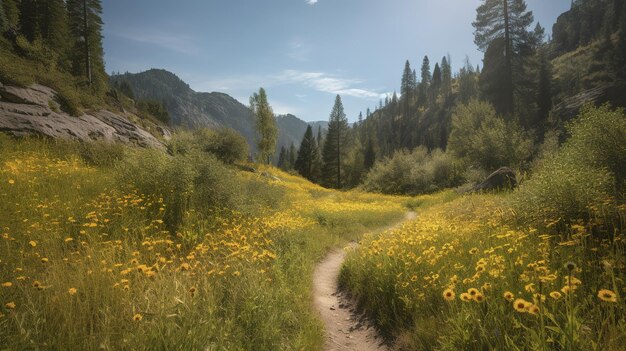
(463, 276)
(88, 263)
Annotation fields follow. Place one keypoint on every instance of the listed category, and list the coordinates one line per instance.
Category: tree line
(67, 33)
(515, 93)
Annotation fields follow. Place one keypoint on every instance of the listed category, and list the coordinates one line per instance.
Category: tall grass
(147, 251)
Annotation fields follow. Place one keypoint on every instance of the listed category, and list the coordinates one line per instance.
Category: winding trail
(345, 328)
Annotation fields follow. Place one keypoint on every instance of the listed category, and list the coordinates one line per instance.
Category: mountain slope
(190, 109)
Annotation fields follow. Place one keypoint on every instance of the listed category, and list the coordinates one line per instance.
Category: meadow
(539, 268)
(104, 247)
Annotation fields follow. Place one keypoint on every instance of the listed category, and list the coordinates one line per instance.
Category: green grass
(93, 258)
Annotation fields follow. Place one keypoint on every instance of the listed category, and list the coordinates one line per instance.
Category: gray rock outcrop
(35, 111)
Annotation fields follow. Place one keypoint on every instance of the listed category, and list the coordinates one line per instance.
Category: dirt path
(345, 329)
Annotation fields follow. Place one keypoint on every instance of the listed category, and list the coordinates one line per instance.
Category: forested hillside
(528, 88)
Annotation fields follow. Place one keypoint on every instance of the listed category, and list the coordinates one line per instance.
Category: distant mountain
(190, 109)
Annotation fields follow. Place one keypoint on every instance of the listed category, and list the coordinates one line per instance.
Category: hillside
(190, 109)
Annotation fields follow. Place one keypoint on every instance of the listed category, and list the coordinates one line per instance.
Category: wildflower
(448, 294)
(44, 260)
(10, 305)
(68, 239)
(479, 297)
(607, 295)
(137, 317)
(473, 251)
(572, 281)
(72, 291)
(7, 284)
(566, 289)
(509, 296)
(37, 285)
(530, 287)
(11, 181)
(192, 291)
(520, 305)
(532, 309)
(555, 295)
(32, 243)
(473, 292)
(570, 266)
(465, 297)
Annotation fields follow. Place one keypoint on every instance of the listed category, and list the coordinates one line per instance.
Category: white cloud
(327, 83)
(311, 2)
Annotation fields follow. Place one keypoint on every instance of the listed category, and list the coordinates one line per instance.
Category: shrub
(584, 176)
(413, 173)
(224, 143)
(481, 139)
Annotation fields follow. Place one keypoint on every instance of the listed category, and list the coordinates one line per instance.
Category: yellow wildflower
(607, 295)
(448, 295)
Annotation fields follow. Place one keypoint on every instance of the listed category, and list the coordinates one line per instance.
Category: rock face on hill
(35, 111)
(190, 109)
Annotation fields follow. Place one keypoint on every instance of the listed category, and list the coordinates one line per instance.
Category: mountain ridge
(189, 109)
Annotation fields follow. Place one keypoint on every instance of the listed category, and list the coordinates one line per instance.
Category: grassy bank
(144, 251)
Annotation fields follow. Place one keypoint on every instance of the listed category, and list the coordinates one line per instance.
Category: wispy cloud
(311, 2)
(327, 83)
(299, 50)
(318, 81)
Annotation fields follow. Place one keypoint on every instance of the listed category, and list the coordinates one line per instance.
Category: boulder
(503, 178)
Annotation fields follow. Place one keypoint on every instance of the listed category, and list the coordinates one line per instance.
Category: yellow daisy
(607, 295)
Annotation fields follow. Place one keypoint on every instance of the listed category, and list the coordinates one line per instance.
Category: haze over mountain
(189, 109)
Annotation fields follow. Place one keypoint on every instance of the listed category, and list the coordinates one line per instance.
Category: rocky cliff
(35, 111)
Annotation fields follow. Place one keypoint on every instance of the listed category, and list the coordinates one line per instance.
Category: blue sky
(303, 52)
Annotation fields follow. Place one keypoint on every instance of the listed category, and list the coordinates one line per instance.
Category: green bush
(481, 139)
(584, 177)
(224, 143)
(414, 172)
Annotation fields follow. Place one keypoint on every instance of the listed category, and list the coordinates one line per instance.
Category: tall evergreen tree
(436, 82)
(407, 85)
(308, 160)
(283, 159)
(426, 76)
(265, 126)
(446, 76)
(85, 24)
(54, 25)
(320, 137)
(468, 82)
(369, 157)
(292, 155)
(11, 13)
(335, 145)
(502, 26)
(4, 24)
(29, 19)
(425, 82)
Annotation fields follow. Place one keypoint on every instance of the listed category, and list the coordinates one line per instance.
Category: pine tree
(407, 86)
(265, 126)
(425, 82)
(502, 26)
(335, 146)
(369, 157)
(320, 137)
(446, 76)
(30, 19)
(426, 77)
(308, 160)
(85, 24)
(436, 82)
(292, 155)
(4, 25)
(283, 159)
(468, 82)
(54, 25)
(11, 13)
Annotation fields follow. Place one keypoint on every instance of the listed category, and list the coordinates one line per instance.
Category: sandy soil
(345, 328)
